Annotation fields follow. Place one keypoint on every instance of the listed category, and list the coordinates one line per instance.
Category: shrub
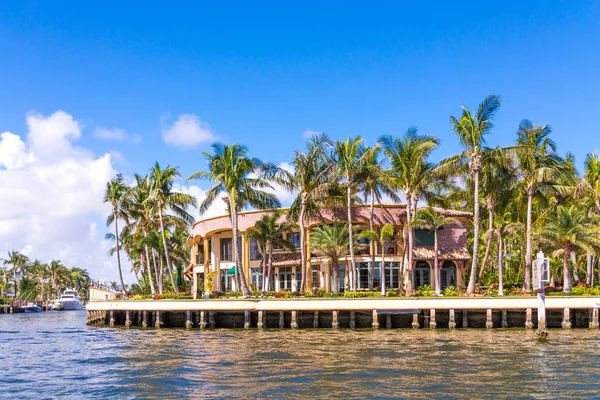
(361, 294)
(425, 291)
(392, 293)
(450, 291)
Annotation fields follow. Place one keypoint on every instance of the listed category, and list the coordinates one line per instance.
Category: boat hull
(32, 309)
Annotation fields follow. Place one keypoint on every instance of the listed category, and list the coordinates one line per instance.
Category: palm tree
(538, 166)
(374, 182)
(231, 171)
(428, 218)
(18, 262)
(311, 179)
(409, 172)
(115, 192)
(386, 233)
(570, 230)
(268, 234)
(161, 192)
(140, 214)
(349, 158)
(471, 129)
(591, 196)
(333, 242)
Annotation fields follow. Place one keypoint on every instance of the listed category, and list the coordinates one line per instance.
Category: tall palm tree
(374, 183)
(471, 129)
(349, 159)
(232, 173)
(386, 233)
(333, 242)
(571, 230)
(115, 193)
(408, 161)
(538, 166)
(18, 262)
(140, 213)
(161, 192)
(591, 196)
(311, 180)
(428, 218)
(268, 234)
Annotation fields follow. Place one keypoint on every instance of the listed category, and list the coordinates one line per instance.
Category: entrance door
(422, 274)
(448, 274)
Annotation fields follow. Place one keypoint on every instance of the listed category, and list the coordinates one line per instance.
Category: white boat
(32, 308)
(70, 300)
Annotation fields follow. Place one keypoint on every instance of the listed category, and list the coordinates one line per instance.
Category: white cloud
(116, 134)
(188, 131)
(308, 133)
(51, 196)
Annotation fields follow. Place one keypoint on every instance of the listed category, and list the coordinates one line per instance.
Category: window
(294, 239)
(285, 278)
(226, 280)
(424, 237)
(363, 246)
(299, 279)
(315, 276)
(200, 254)
(226, 250)
(256, 278)
(422, 274)
(254, 253)
(392, 274)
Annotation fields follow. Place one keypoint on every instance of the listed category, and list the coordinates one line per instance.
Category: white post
(538, 284)
(195, 285)
(432, 322)
(452, 320)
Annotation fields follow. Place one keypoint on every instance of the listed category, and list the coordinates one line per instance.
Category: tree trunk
(383, 271)
(409, 267)
(119, 255)
(500, 266)
(472, 278)
(263, 265)
(488, 241)
(567, 284)
(351, 237)
(335, 271)
(158, 272)
(270, 255)
(528, 259)
(165, 247)
(373, 243)
(152, 288)
(589, 276)
(306, 282)
(574, 266)
(236, 250)
(436, 264)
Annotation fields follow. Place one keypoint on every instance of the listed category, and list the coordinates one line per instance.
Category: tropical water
(55, 355)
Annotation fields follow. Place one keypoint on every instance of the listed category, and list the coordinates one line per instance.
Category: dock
(562, 312)
(16, 306)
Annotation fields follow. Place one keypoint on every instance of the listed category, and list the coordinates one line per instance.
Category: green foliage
(392, 293)
(361, 294)
(425, 291)
(450, 291)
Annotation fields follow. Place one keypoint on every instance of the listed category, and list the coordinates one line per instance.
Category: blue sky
(262, 74)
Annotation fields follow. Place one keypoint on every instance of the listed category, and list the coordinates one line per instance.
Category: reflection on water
(56, 355)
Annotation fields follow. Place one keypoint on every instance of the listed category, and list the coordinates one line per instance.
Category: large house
(211, 250)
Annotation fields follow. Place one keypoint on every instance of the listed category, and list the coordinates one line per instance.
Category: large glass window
(422, 274)
(448, 275)
(299, 279)
(226, 280)
(424, 237)
(392, 272)
(285, 278)
(226, 250)
(315, 277)
(256, 278)
(294, 239)
(341, 277)
(363, 275)
(254, 253)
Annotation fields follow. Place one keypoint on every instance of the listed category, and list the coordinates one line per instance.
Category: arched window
(448, 274)
(422, 274)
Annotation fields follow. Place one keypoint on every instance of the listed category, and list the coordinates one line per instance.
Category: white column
(277, 288)
(195, 285)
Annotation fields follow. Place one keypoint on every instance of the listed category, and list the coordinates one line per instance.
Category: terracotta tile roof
(286, 259)
(450, 253)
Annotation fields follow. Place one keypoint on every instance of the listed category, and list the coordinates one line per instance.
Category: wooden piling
(158, 321)
(352, 319)
(334, 320)
(388, 321)
(202, 324)
(294, 324)
(144, 319)
(127, 319)
(259, 323)
(432, 321)
(528, 319)
(415, 323)
(281, 320)
(566, 321)
(451, 320)
(211, 320)
(594, 320)
(246, 319)
(465, 319)
(188, 320)
(375, 319)
(316, 319)
(111, 322)
(504, 319)
(489, 322)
